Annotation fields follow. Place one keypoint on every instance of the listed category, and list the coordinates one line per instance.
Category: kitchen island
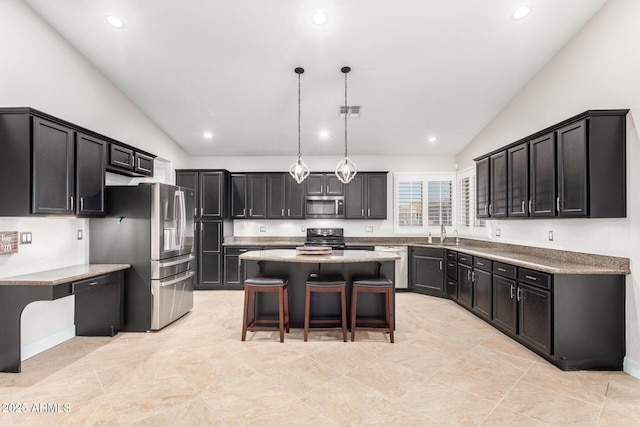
(297, 268)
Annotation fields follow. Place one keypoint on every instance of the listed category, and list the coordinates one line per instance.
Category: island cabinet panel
(234, 272)
(498, 185)
(426, 271)
(518, 181)
(482, 188)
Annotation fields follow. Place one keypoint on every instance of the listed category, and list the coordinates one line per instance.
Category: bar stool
(377, 285)
(265, 284)
(335, 284)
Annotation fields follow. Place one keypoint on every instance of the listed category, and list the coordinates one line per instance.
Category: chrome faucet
(455, 233)
(443, 234)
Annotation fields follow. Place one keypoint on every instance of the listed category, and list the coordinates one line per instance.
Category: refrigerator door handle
(178, 262)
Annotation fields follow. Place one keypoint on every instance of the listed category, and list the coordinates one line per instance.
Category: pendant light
(299, 171)
(346, 169)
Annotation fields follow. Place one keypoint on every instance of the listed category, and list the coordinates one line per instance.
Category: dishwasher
(402, 265)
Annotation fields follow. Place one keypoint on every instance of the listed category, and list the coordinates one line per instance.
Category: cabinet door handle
(244, 211)
(282, 211)
(468, 274)
(523, 211)
(71, 200)
(511, 291)
(473, 276)
(81, 204)
(368, 212)
(558, 204)
(440, 265)
(519, 294)
(490, 209)
(201, 211)
(289, 212)
(535, 279)
(195, 211)
(479, 263)
(504, 270)
(530, 210)
(250, 211)
(321, 188)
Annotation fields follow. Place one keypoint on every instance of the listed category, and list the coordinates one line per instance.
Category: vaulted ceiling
(420, 68)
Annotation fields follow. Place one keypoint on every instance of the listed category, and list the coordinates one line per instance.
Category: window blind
(440, 203)
(410, 203)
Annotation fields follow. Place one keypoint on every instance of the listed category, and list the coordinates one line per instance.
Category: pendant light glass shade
(346, 169)
(298, 170)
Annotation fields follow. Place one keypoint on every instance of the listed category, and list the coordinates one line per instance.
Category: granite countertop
(63, 275)
(336, 257)
(551, 261)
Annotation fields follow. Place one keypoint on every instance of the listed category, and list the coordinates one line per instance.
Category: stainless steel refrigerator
(149, 226)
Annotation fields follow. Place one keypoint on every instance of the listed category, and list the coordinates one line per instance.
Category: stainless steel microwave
(324, 206)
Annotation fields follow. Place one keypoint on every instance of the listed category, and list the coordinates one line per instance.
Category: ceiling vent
(352, 111)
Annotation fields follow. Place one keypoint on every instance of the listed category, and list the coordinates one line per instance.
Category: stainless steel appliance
(149, 226)
(332, 237)
(402, 264)
(324, 206)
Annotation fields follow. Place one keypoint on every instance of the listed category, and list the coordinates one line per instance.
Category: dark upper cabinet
(572, 170)
(90, 169)
(482, 188)
(129, 161)
(285, 197)
(257, 195)
(53, 168)
(324, 184)
(542, 167)
(366, 196)
(518, 181)
(209, 189)
(576, 168)
(498, 185)
(426, 271)
(212, 185)
(238, 196)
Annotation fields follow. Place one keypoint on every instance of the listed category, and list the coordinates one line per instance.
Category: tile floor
(447, 367)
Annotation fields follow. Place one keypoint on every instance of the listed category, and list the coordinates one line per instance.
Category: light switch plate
(550, 235)
(368, 229)
(498, 232)
(263, 228)
(80, 234)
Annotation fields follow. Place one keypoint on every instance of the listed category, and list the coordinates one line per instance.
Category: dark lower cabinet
(210, 260)
(452, 288)
(482, 293)
(234, 274)
(426, 272)
(465, 285)
(505, 306)
(534, 319)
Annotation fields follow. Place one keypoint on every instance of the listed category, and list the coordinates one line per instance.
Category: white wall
(598, 69)
(39, 69)
(392, 164)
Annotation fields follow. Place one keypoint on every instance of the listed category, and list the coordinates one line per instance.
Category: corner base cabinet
(426, 271)
(575, 321)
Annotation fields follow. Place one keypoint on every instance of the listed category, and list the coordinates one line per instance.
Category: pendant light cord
(346, 113)
(298, 115)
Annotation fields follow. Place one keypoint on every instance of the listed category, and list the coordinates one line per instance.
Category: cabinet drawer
(83, 285)
(452, 255)
(505, 270)
(452, 270)
(465, 259)
(482, 264)
(536, 278)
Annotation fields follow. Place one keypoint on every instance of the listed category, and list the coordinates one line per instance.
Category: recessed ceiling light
(432, 139)
(521, 12)
(320, 18)
(208, 135)
(324, 134)
(115, 21)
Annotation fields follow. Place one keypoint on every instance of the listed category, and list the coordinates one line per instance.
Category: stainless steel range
(332, 237)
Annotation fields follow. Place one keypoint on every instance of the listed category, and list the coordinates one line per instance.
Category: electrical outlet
(368, 229)
(79, 234)
(303, 228)
(25, 238)
(263, 228)
(498, 232)
(550, 235)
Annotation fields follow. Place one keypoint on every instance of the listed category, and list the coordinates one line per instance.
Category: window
(466, 200)
(423, 202)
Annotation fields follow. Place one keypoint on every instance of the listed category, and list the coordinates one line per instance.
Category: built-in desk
(297, 268)
(98, 308)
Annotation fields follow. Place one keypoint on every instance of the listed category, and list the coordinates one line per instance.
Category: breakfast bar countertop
(336, 256)
(63, 275)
